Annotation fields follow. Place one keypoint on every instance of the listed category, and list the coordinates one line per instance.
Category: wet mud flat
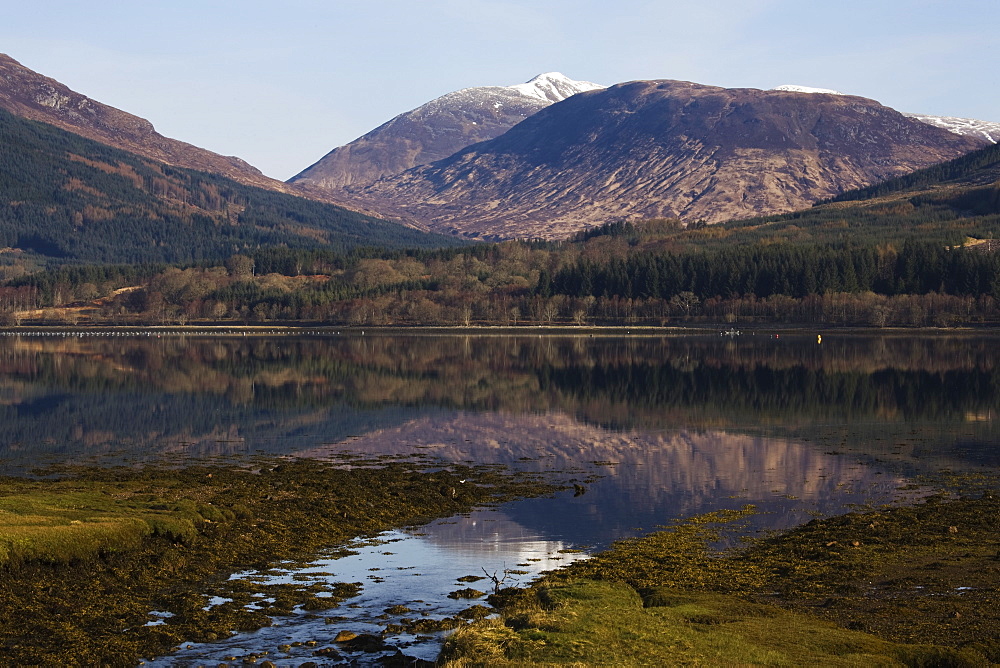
(916, 585)
(108, 566)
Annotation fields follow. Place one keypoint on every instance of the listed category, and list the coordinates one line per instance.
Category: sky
(279, 84)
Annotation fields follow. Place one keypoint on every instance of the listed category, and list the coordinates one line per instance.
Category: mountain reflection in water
(677, 425)
(646, 478)
(194, 397)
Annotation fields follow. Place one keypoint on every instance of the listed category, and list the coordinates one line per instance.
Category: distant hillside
(951, 203)
(28, 94)
(668, 149)
(67, 198)
(979, 168)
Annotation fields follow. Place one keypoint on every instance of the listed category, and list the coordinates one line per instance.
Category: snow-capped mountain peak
(553, 87)
(528, 97)
(790, 88)
(439, 128)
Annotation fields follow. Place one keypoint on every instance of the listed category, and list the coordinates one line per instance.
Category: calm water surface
(649, 428)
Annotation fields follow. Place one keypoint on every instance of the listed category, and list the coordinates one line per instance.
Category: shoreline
(715, 329)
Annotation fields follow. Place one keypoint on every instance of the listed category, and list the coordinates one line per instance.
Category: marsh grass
(909, 586)
(62, 521)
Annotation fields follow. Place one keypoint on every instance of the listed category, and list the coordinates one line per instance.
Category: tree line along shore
(621, 277)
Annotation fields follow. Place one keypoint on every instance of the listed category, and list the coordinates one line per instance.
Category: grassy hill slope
(64, 198)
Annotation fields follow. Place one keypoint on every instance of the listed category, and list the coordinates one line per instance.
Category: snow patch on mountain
(529, 97)
(790, 88)
(969, 127)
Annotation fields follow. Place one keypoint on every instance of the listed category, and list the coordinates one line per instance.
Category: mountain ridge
(424, 174)
(28, 94)
(673, 149)
(969, 127)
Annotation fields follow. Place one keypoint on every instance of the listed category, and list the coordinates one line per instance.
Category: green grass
(61, 521)
(596, 623)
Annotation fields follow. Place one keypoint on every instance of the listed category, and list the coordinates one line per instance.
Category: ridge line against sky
(279, 85)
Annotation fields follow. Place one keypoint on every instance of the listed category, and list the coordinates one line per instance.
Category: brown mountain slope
(30, 95)
(664, 149)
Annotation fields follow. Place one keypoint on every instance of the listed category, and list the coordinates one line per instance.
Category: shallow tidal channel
(406, 578)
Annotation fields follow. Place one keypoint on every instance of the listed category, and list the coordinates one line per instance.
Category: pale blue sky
(280, 84)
